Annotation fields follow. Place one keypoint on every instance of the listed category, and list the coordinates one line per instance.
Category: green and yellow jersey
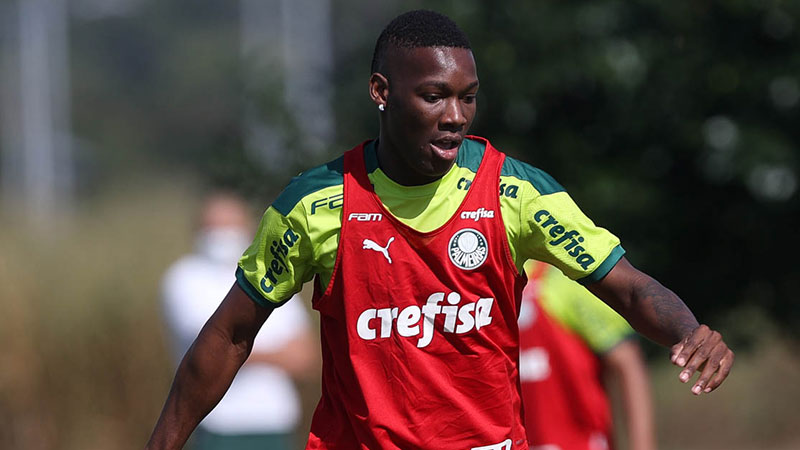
(579, 311)
(299, 233)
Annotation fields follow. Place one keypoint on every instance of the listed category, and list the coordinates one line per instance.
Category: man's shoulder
(512, 167)
(314, 182)
(524, 172)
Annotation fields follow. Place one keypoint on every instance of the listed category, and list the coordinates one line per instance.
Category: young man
(415, 242)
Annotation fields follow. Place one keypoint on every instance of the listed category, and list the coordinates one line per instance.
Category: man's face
(429, 108)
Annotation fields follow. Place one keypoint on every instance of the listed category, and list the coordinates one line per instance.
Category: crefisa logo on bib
(468, 249)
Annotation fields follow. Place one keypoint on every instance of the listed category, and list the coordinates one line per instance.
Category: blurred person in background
(262, 408)
(571, 344)
(415, 242)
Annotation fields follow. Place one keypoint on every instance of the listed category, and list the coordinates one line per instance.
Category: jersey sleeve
(297, 238)
(279, 260)
(553, 229)
(599, 326)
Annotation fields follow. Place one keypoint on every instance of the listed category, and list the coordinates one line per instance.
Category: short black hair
(415, 29)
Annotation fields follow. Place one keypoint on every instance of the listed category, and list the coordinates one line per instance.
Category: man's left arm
(660, 315)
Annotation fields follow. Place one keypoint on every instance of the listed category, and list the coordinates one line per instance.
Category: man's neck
(396, 169)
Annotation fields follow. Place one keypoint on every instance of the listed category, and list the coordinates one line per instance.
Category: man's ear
(379, 89)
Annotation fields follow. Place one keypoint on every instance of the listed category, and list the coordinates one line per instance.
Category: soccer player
(571, 344)
(415, 243)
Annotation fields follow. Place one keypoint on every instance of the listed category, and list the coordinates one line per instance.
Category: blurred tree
(672, 124)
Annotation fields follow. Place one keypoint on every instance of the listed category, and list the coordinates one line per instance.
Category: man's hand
(703, 349)
(660, 315)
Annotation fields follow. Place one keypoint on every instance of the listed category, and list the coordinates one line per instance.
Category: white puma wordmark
(371, 245)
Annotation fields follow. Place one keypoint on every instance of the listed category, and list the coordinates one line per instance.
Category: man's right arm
(208, 368)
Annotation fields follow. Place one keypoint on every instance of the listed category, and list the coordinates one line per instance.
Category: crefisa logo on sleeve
(278, 266)
(468, 249)
(570, 240)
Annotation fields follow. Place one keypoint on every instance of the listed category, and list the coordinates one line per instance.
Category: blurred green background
(673, 124)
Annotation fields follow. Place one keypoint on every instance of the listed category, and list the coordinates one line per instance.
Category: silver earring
(382, 107)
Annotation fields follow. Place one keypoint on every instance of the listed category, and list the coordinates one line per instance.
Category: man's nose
(453, 118)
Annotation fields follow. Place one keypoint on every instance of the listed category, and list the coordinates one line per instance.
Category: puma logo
(371, 245)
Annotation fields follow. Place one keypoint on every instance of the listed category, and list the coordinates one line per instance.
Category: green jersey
(579, 311)
(298, 236)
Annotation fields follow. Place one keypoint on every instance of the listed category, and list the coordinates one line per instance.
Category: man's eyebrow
(472, 85)
(445, 86)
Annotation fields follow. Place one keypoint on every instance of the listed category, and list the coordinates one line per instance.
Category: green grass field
(84, 365)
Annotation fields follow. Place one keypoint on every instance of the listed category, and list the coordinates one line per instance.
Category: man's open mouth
(446, 148)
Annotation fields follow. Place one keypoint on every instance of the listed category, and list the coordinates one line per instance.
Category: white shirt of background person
(263, 398)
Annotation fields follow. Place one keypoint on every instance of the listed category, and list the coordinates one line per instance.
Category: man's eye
(430, 98)
(469, 99)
